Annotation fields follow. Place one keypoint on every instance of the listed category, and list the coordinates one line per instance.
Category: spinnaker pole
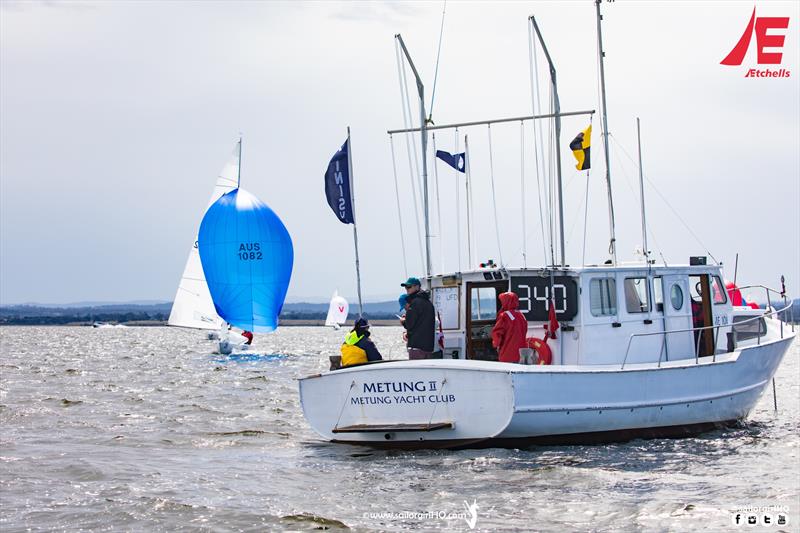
(613, 243)
(424, 135)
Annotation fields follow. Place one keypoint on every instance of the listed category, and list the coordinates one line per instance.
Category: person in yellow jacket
(358, 348)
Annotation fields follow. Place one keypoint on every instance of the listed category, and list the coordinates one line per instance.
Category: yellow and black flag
(580, 147)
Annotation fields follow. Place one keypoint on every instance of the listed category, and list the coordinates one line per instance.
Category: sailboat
(642, 350)
(337, 311)
(192, 307)
(246, 255)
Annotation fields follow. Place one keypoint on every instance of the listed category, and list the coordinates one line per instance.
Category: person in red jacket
(510, 330)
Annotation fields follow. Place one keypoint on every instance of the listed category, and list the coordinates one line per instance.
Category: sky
(115, 118)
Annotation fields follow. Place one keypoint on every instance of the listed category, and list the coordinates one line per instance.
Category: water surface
(146, 429)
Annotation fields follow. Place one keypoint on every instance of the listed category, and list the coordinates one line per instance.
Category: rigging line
(575, 222)
(585, 219)
(541, 175)
(411, 121)
(522, 196)
(399, 210)
(438, 204)
(494, 198)
(551, 178)
(653, 185)
(586, 212)
(403, 101)
(535, 149)
(438, 55)
(627, 180)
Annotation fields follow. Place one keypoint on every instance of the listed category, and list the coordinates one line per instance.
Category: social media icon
(737, 518)
(766, 519)
(752, 520)
(781, 519)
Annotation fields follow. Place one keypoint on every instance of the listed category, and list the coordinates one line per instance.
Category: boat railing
(768, 312)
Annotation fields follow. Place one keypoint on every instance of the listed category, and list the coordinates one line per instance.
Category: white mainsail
(193, 307)
(337, 312)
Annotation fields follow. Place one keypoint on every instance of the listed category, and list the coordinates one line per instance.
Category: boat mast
(424, 132)
(557, 118)
(613, 243)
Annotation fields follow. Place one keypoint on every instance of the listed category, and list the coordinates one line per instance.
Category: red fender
(542, 350)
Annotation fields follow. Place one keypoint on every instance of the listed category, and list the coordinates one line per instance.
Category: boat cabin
(608, 315)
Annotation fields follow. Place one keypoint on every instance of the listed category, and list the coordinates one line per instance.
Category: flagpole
(458, 207)
(355, 230)
(641, 194)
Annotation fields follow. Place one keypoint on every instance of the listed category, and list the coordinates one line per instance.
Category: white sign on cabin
(445, 300)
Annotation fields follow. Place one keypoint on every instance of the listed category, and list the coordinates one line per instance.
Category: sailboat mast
(355, 230)
(239, 165)
(424, 135)
(613, 242)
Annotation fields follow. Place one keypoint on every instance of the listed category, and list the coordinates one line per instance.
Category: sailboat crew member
(249, 336)
(358, 348)
(420, 321)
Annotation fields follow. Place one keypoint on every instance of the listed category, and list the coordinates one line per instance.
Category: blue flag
(337, 186)
(457, 161)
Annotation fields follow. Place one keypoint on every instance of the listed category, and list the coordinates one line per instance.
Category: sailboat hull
(502, 404)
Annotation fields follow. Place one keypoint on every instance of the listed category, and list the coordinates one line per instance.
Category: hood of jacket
(509, 301)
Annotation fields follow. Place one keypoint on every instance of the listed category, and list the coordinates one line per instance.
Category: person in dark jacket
(358, 347)
(420, 321)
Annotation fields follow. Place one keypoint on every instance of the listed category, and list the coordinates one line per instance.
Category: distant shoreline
(159, 323)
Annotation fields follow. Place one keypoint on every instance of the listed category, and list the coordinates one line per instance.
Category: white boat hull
(490, 403)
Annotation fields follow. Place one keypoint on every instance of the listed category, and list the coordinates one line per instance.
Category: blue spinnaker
(247, 258)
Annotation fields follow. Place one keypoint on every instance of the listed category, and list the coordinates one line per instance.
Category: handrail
(697, 358)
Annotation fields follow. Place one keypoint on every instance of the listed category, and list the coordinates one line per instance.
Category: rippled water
(146, 429)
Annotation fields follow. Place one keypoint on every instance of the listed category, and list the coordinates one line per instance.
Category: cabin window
(636, 300)
(658, 294)
(484, 303)
(718, 292)
(603, 296)
(747, 328)
(676, 296)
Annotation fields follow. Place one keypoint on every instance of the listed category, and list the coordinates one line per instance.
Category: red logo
(763, 40)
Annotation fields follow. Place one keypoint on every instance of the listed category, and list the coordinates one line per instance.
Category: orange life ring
(542, 350)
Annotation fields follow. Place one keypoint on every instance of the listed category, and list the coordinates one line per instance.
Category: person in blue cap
(420, 321)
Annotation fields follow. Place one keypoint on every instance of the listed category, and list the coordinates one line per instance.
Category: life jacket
(351, 353)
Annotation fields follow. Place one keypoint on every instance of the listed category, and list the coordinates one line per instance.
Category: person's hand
(405, 336)
(402, 320)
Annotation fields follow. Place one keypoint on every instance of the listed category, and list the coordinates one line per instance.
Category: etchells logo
(768, 36)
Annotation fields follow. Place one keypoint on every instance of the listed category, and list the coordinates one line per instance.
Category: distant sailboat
(192, 307)
(337, 311)
(247, 256)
